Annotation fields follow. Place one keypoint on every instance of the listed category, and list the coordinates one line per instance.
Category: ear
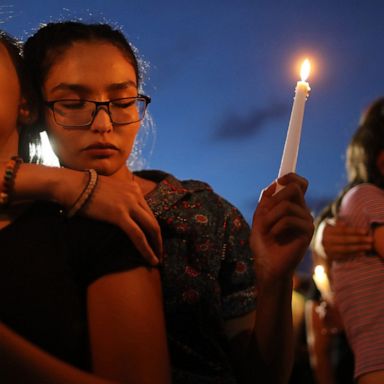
(27, 113)
(380, 162)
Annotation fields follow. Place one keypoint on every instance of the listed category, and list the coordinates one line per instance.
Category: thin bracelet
(11, 169)
(85, 194)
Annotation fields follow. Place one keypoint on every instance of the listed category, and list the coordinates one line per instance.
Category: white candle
(292, 142)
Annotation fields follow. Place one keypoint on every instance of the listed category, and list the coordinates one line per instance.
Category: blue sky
(222, 77)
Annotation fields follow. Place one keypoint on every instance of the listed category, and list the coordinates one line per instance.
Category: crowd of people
(114, 276)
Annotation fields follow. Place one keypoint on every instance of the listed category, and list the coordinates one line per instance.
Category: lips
(101, 150)
(100, 146)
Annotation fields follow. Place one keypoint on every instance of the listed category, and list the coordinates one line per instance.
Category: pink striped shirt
(358, 282)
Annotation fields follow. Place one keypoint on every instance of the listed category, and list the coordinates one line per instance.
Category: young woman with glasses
(213, 266)
(71, 305)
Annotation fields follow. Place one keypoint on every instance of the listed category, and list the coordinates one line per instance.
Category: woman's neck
(124, 173)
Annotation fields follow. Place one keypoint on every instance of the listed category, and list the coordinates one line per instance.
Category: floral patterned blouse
(207, 275)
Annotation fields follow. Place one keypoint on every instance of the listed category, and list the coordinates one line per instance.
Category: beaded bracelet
(85, 194)
(11, 169)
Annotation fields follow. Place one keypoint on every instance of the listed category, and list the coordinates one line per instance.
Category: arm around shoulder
(117, 202)
(40, 182)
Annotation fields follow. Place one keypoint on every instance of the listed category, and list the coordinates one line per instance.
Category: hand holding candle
(292, 141)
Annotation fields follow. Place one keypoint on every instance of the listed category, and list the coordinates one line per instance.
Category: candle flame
(319, 271)
(305, 69)
(322, 283)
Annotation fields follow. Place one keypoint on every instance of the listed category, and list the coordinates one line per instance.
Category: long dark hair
(26, 134)
(362, 153)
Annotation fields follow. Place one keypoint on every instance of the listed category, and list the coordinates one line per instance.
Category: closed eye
(72, 104)
(124, 103)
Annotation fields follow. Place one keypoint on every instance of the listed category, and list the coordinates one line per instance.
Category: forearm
(22, 362)
(38, 182)
(281, 232)
(119, 202)
(272, 342)
(319, 345)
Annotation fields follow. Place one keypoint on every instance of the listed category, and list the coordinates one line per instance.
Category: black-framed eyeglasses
(81, 113)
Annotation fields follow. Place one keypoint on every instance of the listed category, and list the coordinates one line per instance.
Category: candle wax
(292, 142)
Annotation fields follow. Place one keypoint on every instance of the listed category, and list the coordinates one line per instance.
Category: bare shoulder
(359, 198)
(364, 190)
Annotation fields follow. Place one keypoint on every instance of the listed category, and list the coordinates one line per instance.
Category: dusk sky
(222, 76)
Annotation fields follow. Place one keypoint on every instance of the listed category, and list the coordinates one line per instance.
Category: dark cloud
(236, 126)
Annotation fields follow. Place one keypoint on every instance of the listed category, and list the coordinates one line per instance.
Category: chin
(103, 166)
(106, 169)
(103, 171)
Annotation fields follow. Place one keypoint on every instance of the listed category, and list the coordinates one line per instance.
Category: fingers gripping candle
(292, 142)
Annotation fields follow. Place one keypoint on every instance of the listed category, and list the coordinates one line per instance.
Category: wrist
(283, 284)
(7, 181)
(38, 182)
(65, 185)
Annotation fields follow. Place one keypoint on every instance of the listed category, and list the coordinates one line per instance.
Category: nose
(102, 121)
